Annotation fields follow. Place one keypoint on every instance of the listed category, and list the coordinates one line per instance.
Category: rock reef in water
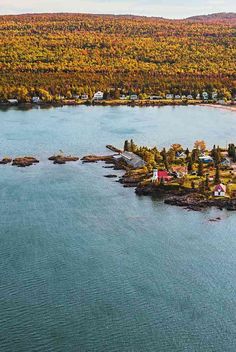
(61, 159)
(5, 161)
(95, 158)
(25, 161)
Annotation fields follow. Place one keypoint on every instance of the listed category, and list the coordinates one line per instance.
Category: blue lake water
(87, 266)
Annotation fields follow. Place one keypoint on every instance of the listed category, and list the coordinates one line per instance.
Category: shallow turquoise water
(88, 266)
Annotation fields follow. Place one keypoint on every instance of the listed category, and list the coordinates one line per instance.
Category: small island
(194, 178)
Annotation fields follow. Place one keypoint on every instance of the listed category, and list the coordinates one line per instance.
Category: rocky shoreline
(186, 198)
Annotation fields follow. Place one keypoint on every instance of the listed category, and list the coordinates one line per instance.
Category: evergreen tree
(126, 146)
(200, 168)
(217, 175)
(207, 187)
(190, 166)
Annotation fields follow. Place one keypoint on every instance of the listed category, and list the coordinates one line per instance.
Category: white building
(177, 97)
(133, 97)
(169, 96)
(98, 96)
(13, 101)
(36, 100)
(133, 160)
(189, 97)
(214, 95)
(198, 96)
(155, 97)
(205, 96)
(84, 97)
(155, 175)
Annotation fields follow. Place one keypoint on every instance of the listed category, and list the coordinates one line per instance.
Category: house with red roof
(220, 190)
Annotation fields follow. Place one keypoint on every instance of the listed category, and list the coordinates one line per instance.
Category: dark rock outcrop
(25, 161)
(62, 159)
(5, 161)
(95, 158)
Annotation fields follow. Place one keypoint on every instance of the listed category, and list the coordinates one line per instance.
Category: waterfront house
(133, 97)
(198, 96)
(164, 175)
(123, 97)
(214, 96)
(169, 96)
(36, 100)
(13, 101)
(189, 97)
(132, 159)
(84, 97)
(205, 95)
(98, 96)
(177, 97)
(220, 190)
(155, 97)
(159, 175)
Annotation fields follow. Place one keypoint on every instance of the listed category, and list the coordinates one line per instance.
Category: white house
(169, 96)
(198, 96)
(189, 97)
(133, 97)
(123, 97)
(36, 100)
(205, 96)
(84, 97)
(98, 96)
(177, 97)
(155, 97)
(13, 101)
(220, 190)
(214, 95)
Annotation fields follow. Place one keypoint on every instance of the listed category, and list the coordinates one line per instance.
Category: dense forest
(66, 54)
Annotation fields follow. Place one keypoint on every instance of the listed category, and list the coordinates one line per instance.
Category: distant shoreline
(136, 103)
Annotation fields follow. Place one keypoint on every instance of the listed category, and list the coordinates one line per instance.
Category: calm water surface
(87, 266)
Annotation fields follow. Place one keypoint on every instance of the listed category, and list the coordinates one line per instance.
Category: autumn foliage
(73, 53)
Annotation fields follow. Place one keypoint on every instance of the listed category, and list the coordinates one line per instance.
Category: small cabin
(198, 96)
(177, 97)
(133, 97)
(189, 97)
(84, 97)
(220, 190)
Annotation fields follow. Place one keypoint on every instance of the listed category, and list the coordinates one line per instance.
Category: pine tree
(126, 146)
(200, 168)
(217, 175)
(190, 166)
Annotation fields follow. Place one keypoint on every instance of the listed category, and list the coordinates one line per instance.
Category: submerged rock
(25, 161)
(111, 176)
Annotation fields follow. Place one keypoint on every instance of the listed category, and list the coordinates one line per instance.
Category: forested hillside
(75, 53)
